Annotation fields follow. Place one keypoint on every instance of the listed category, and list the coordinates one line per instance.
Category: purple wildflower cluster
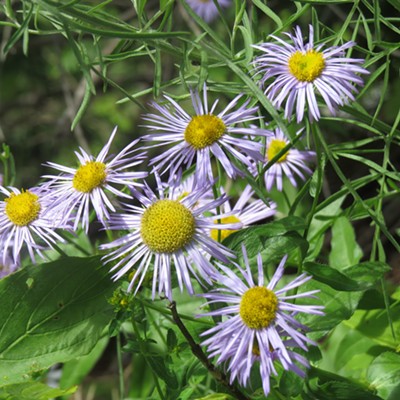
(178, 228)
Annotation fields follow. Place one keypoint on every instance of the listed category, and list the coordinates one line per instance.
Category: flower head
(203, 135)
(76, 188)
(169, 231)
(292, 163)
(26, 218)
(302, 69)
(207, 9)
(259, 322)
(245, 211)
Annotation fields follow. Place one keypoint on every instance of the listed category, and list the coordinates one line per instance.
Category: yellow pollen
(167, 226)
(306, 67)
(204, 130)
(22, 208)
(274, 147)
(258, 307)
(224, 232)
(89, 176)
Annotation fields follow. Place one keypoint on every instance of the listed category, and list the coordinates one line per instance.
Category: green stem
(120, 368)
(218, 375)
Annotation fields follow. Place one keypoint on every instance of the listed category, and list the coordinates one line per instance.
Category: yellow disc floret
(89, 176)
(22, 208)
(167, 226)
(224, 232)
(204, 130)
(275, 146)
(308, 66)
(258, 307)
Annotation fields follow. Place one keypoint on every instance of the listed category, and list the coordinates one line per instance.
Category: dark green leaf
(331, 277)
(59, 316)
(160, 368)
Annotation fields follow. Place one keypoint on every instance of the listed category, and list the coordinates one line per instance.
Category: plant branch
(198, 352)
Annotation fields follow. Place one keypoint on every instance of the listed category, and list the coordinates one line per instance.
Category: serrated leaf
(59, 316)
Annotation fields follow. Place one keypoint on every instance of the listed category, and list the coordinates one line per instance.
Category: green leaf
(338, 307)
(290, 384)
(395, 4)
(345, 250)
(367, 273)
(384, 375)
(216, 396)
(358, 277)
(331, 277)
(325, 385)
(32, 391)
(19, 32)
(268, 12)
(374, 324)
(349, 353)
(160, 368)
(52, 313)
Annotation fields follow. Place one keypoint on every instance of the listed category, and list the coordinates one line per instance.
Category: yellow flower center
(22, 208)
(89, 176)
(167, 226)
(224, 232)
(204, 130)
(258, 307)
(306, 67)
(274, 148)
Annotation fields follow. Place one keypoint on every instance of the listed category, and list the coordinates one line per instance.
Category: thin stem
(120, 368)
(198, 353)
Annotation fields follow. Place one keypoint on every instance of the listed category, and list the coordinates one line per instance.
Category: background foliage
(72, 70)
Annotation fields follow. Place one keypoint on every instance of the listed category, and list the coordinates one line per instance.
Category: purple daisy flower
(259, 322)
(246, 211)
(203, 135)
(292, 163)
(207, 9)
(76, 188)
(301, 69)
(167, 230)
(26, 218)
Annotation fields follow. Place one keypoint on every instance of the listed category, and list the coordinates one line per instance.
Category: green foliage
(52, 313)
(32, 391)
(71, 70)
